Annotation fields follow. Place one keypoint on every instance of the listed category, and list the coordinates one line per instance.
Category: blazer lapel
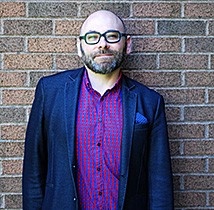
(129, 109)
(71, 104)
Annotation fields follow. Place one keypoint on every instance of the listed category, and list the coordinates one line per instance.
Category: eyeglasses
(111, 36)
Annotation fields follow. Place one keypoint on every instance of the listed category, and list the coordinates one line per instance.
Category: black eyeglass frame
(104, 35)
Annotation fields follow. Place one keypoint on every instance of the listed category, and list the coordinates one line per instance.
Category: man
(97, 139)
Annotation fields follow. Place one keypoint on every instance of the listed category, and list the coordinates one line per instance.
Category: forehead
(101, 22)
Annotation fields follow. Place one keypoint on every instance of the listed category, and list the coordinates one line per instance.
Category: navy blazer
(49, 162)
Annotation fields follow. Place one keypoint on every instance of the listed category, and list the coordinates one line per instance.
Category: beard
(106, 67)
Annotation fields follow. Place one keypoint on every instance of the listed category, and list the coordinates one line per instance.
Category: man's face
(102, 57)
(104, 60)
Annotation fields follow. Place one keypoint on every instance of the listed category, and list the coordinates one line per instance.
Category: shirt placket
(99, 155)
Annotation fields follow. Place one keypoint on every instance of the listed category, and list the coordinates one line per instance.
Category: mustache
(103, 51)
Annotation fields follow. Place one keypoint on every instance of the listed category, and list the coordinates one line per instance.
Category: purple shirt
(98, 142)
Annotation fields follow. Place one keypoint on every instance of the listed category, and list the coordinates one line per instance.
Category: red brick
(138, 61)
(12, 9)
(27, 61)
(28, 27)
(121, 9)
(68, 62)
(176, 182)
(52, 45)
(159, 10)
(175, 148)
(8, 44)
(13, 132)
(158, 79)
(21, 97)
(199, 79)
(183, 96)
(10, 184)
(199, 10)
(68, 27)
(199, 113)
(186, 131)
(13, 79)
(203, 182)
(211, 198)
(173, 114)
(211, 165)
(188, 165)
(157, 45)
(12, 167)
(11, 149)
(199, 147)
(190, 199)
(211, 131)
(13, 201)
(182, 61)
(141, 27)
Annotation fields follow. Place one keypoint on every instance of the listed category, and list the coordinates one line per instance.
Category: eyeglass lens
(94, 37)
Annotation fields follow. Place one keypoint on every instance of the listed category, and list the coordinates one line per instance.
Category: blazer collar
(129, 109)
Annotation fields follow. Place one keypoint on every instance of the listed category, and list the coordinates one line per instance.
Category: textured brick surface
(156, 10)
(52, 45)
(190, 199)
(184, 96)
(172, 52)
(13, 132)
(68, 27)
(193, 28)
(11, 44)
(199, 148)
(11, 149)
(27, 61)
(13, 201)
(140, 27)
(17, 97)
(188, 165)
(11, 167)
(12, 9)
(186, 131)
(158, 79)
(201, 10)
(121, 9)
(9, 79)
(28, 27)
(199, 45)
(52, 9)
(157, 45)
(183, 61)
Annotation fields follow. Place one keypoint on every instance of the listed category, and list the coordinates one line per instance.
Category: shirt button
(100, 193)
(99, 144)
(100, 120)
(75, 199)
(74, 166)
(98, 169)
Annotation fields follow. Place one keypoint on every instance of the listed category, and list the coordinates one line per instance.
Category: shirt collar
(88, 85)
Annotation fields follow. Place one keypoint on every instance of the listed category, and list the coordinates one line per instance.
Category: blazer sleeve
(34, 167)
(160, 173)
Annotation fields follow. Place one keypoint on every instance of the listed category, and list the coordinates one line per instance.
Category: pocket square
(140, 119)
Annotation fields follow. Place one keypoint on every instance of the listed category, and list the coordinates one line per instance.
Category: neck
(102, 82)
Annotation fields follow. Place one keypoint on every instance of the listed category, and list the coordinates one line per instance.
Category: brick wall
(173, 52)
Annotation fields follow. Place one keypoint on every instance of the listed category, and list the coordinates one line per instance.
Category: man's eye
(112, 36)
(92, 37)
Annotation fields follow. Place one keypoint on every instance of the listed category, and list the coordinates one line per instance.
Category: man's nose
(103, 43)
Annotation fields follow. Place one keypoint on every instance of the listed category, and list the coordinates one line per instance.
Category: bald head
(102, 21)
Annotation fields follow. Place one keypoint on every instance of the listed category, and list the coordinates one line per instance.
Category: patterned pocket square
(140, 119)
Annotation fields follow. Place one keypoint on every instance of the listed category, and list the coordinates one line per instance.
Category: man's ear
(79, 48)
(128, 45)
